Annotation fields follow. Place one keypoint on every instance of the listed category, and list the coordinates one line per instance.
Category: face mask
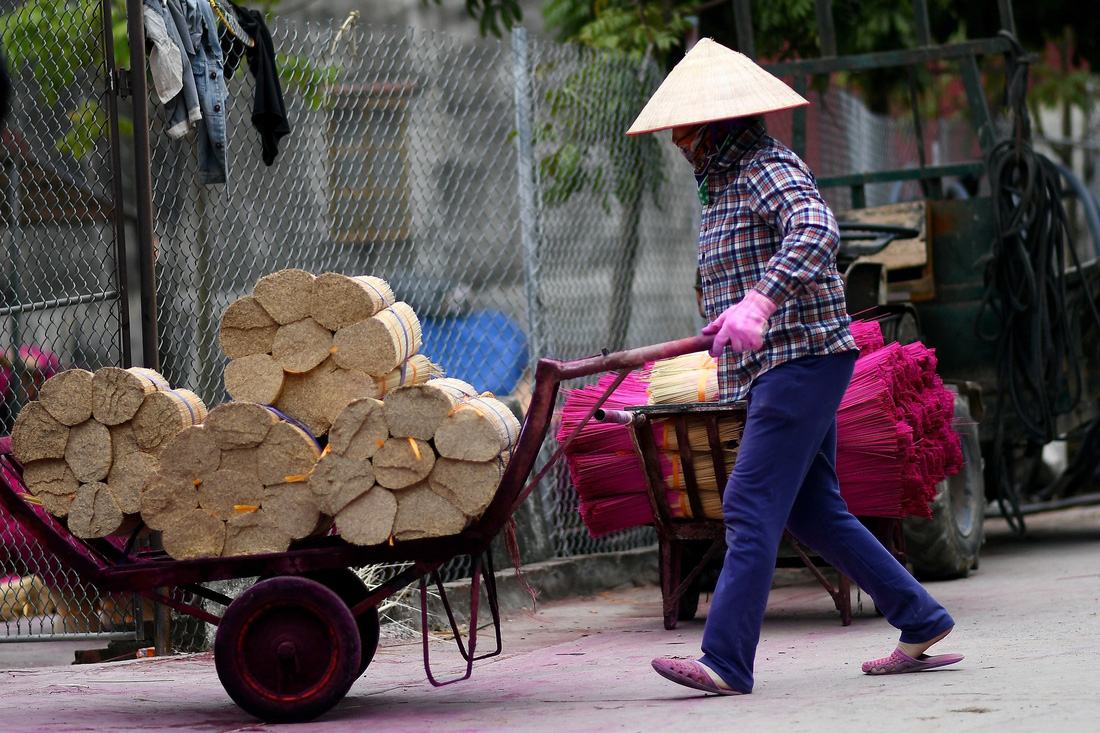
(694, 151)
(693, 148)
(704, 144)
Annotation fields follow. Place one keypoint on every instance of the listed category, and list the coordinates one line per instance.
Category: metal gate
(63, 270)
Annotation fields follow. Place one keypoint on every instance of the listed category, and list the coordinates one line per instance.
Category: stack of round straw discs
(235, 485)
(309, 345)
(385, 476)
(90, 440)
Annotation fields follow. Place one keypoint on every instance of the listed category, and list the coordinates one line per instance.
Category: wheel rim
(965, 489)
(351, 589)
(287, 651)
(961, 496)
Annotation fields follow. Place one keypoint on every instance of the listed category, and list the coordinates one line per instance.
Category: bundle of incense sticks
(603, 464)
(605, 468)
(871, 440)
(600, 436)
(895, 442)
(664, 433)
(683, 379)
(868, 336)
(615, 513)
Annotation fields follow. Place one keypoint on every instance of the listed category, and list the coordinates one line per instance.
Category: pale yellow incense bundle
(703, 465)
(680, 506)
(379, 344)
(477, 429)
(729, 432)
(683, 379)
(338, 300)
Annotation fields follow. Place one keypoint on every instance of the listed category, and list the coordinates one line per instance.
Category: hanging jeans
(785, 476)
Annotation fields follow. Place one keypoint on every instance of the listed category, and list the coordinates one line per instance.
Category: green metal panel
(891, 59)
(961, 233)
(902, 174)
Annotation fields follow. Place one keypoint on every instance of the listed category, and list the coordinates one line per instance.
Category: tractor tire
(901, 326)
(947, 545)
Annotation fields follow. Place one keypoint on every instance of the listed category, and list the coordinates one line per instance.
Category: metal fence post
(143, 187)
(528, 190)
(135, 31)
(535, 529)
(112, 75)
(13, 292)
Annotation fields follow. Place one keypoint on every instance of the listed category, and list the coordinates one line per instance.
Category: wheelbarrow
(291, 646)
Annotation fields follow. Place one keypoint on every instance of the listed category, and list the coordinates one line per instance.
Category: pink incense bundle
(870, 442)
(600, 436)
(603, 466)
(613, 473)
(894, 437)
(936, 453)
(868, 336)
(616, 513)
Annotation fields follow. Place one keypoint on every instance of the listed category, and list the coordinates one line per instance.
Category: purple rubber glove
(742, 326)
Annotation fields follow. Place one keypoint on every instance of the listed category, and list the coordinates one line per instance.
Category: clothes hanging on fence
(169, 63)
(165, 56)
(269, 114)
(209, 79)
(190, 90)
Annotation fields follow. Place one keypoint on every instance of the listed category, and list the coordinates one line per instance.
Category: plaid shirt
(767, 227)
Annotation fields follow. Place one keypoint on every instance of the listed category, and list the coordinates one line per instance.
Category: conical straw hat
(711, 83)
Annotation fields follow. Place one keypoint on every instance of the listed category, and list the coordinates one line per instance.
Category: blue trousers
(785, 476)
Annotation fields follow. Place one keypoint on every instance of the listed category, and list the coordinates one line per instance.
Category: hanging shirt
(269, 115)
(767, 227)
(165, 56)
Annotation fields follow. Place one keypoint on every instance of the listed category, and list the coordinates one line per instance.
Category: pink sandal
(899, 663)
(690, 673)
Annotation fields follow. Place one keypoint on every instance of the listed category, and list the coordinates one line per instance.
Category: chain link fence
(488, 181)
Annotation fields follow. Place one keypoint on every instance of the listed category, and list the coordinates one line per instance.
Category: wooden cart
(688, 546)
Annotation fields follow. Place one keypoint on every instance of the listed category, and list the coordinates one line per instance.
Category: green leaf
(311, 81)
(88, 127)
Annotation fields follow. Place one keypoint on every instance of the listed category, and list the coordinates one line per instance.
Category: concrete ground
(1027, 622)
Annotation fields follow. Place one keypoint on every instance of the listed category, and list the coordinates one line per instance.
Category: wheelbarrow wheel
(352, 590)
(287, 649)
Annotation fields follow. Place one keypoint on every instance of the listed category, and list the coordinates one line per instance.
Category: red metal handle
(616, 360)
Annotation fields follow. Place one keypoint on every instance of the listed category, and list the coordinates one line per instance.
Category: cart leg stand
(670, 556)
(841, 593)
(162, 618)
(680, 566)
